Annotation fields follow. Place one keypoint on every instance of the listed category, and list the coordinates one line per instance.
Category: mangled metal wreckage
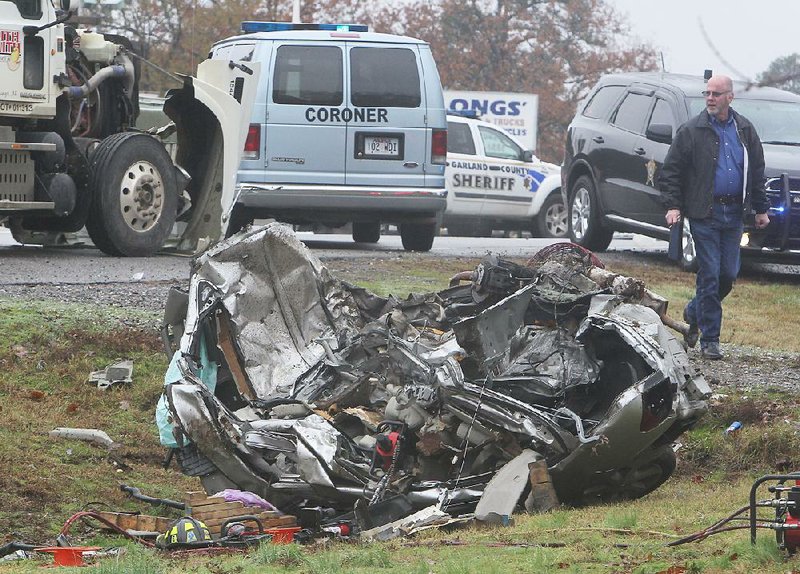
(307, 390)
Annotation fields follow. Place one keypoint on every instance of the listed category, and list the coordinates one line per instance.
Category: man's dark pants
(716, 244)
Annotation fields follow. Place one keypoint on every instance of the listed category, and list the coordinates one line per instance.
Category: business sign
(515, 113)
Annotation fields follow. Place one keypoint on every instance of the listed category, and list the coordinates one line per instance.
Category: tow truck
(71, 155)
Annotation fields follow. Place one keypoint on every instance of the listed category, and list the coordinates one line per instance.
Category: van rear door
(387, 139)
(305, 130)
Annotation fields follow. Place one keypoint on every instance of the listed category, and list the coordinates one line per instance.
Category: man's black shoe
(693, 335)
(711, 351)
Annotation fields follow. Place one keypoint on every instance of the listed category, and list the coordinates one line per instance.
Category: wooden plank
(210, 501)
(217, 505)
(141, 522)
(237, 512)
(195, 496)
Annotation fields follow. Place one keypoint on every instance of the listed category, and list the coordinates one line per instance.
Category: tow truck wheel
(553, 218)
(366, 231)
(135, 196)
(418, 236)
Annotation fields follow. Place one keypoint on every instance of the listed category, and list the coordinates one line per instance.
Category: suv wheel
(553, 219)
(418, 236)
(585, 228)
(688, 261)
(366, 231)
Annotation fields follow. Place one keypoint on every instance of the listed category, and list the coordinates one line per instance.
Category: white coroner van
(348, 126)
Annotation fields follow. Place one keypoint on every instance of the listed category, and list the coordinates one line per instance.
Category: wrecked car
(304, 389)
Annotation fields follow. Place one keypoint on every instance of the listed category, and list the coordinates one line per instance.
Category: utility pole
(295, 10)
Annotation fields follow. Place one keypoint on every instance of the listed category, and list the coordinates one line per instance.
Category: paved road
(70, 265)
(32, 265)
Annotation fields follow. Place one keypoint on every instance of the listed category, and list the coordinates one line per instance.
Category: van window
(631, 113)
(308, 75)
(235, 52)
(459, 139)
(602, 101)
(497, 144)
(27, 8)
(384, 78)
(662, 114)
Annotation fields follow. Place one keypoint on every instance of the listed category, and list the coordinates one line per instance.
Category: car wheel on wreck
(649, 471)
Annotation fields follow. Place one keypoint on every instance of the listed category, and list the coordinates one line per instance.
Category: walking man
(713, 176)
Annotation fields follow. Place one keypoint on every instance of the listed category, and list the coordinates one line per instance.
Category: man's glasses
(707, 93)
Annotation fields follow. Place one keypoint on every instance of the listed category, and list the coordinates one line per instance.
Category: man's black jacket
(687, 177)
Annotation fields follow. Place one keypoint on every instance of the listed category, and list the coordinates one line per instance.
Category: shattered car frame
(308, 390)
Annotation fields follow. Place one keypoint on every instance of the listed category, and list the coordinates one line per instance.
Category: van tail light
(252, 145)
(439, 147)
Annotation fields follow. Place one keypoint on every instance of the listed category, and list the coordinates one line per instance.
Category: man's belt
(728, 199)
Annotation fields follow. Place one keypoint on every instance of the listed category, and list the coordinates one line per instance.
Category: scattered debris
(119, 373)
(93, 436)
(500, 496)
(68, 555)
(296, 386)
(420, 520)
(246, 498)
(734, 427)
(135, 524)
(215, 513)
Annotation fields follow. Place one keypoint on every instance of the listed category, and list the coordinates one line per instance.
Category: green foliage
(622, 518)
(287, 555)
(135, 560)
(367, 556)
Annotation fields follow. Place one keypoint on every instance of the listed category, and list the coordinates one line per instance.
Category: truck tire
(418, 236)
(553, 218)
(135, 196)
(585, 227)
(366, 231)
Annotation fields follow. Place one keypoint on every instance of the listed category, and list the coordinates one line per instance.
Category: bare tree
(783, 73)
(176, 34)
(554, 48)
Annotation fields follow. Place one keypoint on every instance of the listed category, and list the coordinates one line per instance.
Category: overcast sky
(749, 35)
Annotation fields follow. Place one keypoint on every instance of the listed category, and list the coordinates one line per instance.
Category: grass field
(49, 349)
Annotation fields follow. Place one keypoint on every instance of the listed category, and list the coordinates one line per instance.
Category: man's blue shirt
(729, 175)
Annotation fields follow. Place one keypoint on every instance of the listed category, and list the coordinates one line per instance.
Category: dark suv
(617, 142)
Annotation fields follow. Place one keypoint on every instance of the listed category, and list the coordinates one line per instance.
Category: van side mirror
(527, 156)
(661, 133)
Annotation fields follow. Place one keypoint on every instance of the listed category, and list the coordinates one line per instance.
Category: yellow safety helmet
(186, 532)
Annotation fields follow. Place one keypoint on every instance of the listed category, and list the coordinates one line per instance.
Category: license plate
(382, 146)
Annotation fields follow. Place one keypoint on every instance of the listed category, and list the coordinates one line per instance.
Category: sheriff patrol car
(348, 126)
(494, 183)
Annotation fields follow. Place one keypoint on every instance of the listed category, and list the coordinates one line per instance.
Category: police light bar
(472, 114)
(250, 27)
